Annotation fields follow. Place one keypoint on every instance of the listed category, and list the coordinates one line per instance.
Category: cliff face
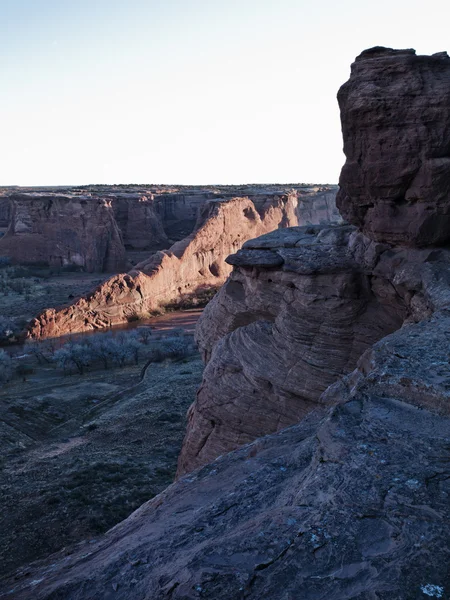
(299, 309)
(139, 222)
(63, 230)
(350, 503)
(5, 211)
(194, 263)
(318, 207)
(301, 306)
(395, 113)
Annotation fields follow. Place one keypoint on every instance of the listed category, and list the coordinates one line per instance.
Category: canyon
(316, 458)
(141, 226)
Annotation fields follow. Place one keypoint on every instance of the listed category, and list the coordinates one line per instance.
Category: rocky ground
(80, 453)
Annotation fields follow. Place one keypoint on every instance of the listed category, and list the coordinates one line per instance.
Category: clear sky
(188, 91)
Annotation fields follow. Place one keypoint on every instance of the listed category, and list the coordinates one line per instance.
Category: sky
(188, 91)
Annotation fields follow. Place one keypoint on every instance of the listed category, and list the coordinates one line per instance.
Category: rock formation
(347, 333)
(192, 264)
(59, 230)
(318, 207)
(395, 113)
(139, 221)
(5, 212)
(299, 309)
(350, 503)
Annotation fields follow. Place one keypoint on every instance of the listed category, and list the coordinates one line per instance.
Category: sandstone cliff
(62, 230)
(192, 264)
(395, 112)
(139, 222)
(349, 335)
(317, 206)
(299, 309)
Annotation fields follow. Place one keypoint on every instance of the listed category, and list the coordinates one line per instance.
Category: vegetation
(97, 351)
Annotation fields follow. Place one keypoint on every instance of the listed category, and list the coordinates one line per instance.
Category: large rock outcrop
(350, 504)
(61, 231)
(301, 306)
(190, 265)
(395, 113)
(299, 309)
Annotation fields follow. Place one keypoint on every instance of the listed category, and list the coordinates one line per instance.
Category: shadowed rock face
(352, 503)
(395, 113)
(139, 221)
(63, 230)
(299, 309)
(5, 211)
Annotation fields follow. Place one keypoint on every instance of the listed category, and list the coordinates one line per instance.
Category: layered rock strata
(395, 113)
(299, 309)
(352, 503)
(139, 222)
(63, 231)
(190, 265)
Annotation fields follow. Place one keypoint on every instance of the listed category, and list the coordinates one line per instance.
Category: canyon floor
(81, 452)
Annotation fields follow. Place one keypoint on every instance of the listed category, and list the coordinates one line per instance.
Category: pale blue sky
(188, 91)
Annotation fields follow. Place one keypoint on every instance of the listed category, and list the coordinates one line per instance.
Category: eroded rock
(350, 503)
(395, 113)
(190, 265)
(282, 330)
(62, 231)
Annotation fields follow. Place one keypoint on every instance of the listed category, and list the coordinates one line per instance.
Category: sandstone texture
(63, 231)
(139, 221)
(299, 309)
(395, 113)
(318, 207)
(351, 503)
(190, 265)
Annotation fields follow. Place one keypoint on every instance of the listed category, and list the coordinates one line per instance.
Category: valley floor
(83, 452)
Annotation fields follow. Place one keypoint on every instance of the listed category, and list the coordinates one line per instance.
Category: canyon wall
(189, 266)
(139, 221)
(60, 230)
(301, 306)
(299, 309)
(342, 330)
(318, 207)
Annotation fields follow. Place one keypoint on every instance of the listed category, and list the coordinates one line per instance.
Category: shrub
(73, 355)
(8, 329)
